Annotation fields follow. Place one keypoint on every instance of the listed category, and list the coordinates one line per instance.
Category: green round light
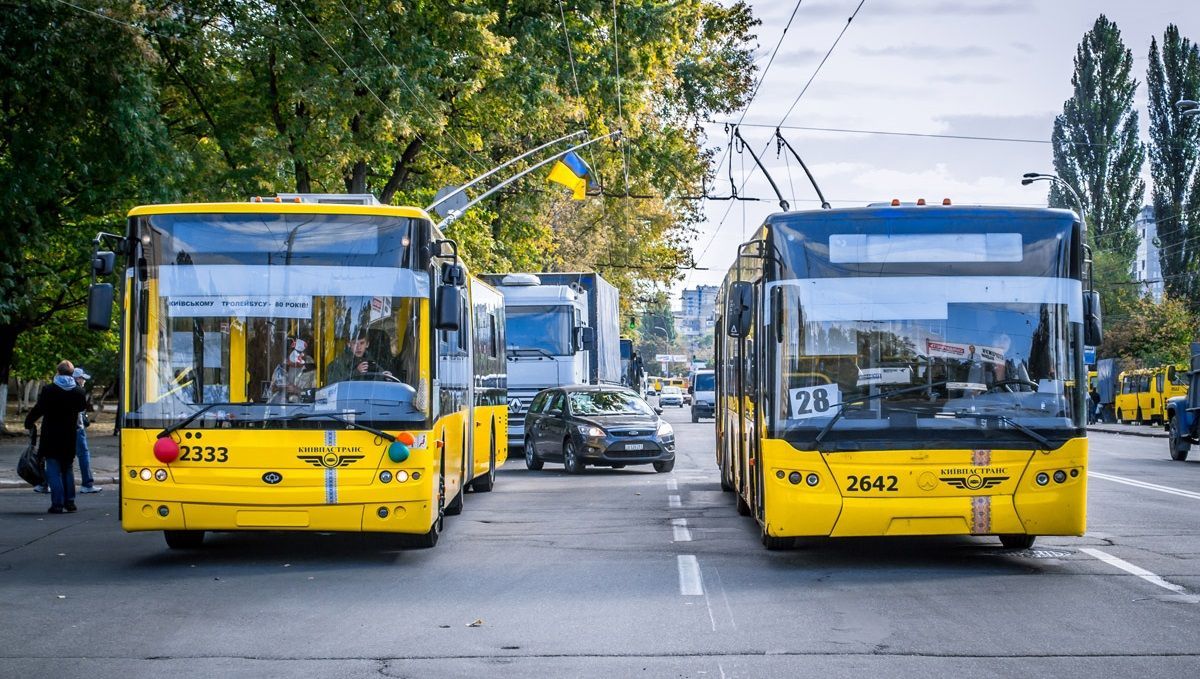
(397, 452)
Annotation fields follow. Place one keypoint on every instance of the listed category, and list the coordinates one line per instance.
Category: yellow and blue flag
(573, 173)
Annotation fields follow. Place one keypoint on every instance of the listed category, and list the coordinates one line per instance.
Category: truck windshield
(705, 382)
(274, 316)
(537, 329)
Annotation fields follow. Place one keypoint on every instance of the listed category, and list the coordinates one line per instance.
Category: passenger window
(558, 403)
(538, 402)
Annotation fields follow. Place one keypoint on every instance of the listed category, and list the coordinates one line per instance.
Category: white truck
(561, 328)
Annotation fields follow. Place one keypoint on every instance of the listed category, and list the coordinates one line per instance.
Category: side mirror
(100, 302)
(739, 309)
(658, 410)
(1093, 331)
(691, 390)
(103, 262)
(448, 302)
(587, 338)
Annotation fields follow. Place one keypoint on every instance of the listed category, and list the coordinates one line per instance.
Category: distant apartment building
(1147, 269)
(695, 317)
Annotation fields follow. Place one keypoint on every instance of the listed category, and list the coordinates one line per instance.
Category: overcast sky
(994, 68)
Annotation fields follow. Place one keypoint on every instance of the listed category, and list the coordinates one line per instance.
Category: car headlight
(665, 429)
(589, 430)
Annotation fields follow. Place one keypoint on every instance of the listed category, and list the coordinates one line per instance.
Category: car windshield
(592, 403)
(672, 391)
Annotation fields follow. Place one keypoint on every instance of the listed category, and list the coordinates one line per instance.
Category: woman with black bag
(59, 405)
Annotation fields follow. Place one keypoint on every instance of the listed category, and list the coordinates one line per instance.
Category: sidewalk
(101, 442)
(1155, 431)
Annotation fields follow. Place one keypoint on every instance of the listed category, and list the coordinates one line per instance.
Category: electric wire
(575, 78)
(616, 40)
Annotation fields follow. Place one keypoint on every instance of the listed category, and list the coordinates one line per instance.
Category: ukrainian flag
(573, 173)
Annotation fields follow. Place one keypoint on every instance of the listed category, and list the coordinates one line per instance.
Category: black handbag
(30, 466)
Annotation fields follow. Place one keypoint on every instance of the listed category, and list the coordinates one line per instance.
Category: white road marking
(672, 484)
(690, 583)
(682, 534)
(674, 502)
(1135, 570)
(1147, 486)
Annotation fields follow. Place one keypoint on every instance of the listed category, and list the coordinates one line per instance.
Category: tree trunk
(8, 343)
(356, 182)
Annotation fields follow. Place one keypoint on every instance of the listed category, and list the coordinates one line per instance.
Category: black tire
(1179, 445)
(184, 539)
(1017, 541)
(532, 461)
(664, 466)
(571, 460)
(774, 544)
(429, 539)
(485, 483)
(742, 508)
(724, 471)
(695, 417)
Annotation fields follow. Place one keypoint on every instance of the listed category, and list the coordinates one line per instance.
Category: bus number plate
(203, 454)
(819, 401)
(867, 483)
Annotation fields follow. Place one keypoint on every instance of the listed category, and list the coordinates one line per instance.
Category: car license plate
(634, 446)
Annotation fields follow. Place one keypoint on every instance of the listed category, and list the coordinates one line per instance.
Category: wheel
(695, 417)
(1179, 445)
(485, 483)
(532, 461)
(725, 484)
(742, 507)
(456, 505)
(774, 544)
(571, 461)
(664, 466)
(428, 539)
(1017, 541)
(184, 539)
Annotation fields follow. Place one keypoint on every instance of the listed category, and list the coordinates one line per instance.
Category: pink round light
(166, 450)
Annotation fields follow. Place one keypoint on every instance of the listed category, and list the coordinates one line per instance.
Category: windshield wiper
(870, 397)
(335, 418)
(518, 350)
(172, 428)
(1010, 422)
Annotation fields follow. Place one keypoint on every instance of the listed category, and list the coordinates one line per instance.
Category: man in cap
(82, 452)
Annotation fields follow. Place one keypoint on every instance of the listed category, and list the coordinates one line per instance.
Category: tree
(1175, 163)
(1096, 146)
(81, 135)
(1154, 333)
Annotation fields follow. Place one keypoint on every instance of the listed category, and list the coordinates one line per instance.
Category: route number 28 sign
(818, 401)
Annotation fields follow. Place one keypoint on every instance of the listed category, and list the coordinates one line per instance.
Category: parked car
(603, 426)
(704, 394)
(670, 396)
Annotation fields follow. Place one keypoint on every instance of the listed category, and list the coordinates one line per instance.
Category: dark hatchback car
(597, 425)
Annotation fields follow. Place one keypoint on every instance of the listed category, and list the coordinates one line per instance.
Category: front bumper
(703, 410)
(623, 449)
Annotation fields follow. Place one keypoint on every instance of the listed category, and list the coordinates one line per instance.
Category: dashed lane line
(1146, 486)
(682, 532)
(1134, 570)
(674, 502)
(690, 582)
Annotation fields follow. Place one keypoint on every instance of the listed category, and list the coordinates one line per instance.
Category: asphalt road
(614, 574)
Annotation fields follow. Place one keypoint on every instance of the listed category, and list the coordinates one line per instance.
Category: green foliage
(1154, 333)
(1175, 162)
(1096, 146)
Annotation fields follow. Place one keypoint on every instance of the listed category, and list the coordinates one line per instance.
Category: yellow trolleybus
(307, 362)
(904, 370)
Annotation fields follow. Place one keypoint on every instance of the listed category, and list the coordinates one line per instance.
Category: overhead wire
(616, 40)
(411, 90)
(575, 76)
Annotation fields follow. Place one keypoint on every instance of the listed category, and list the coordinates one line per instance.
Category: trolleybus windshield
(277, 319)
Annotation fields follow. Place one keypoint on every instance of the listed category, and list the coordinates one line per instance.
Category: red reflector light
(895, 202)
(920, 201)
(945, 201)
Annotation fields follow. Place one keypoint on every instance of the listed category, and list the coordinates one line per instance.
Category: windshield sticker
(817, 401)
(967, 386)
(326, 399)
(965, 352)
(240, 305)
(884, 376)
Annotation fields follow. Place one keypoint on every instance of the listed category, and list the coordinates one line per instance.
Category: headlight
(665, 429)
(589, 430)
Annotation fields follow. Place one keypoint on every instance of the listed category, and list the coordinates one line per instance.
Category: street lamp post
(1031, 177)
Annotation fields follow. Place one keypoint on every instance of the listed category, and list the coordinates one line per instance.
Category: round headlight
(160, 475)
(146, 474)
(1060, 476)
(779, 474)
(794, 477)
(382, 512)
(385, 476)
(1042, 478)
(812, 479)
(402, 476)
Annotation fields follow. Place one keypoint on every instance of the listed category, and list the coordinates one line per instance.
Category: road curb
(17, 484)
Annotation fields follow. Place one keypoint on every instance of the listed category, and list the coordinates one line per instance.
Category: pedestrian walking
(58, 406)
(82, 452)
(1093, 414)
